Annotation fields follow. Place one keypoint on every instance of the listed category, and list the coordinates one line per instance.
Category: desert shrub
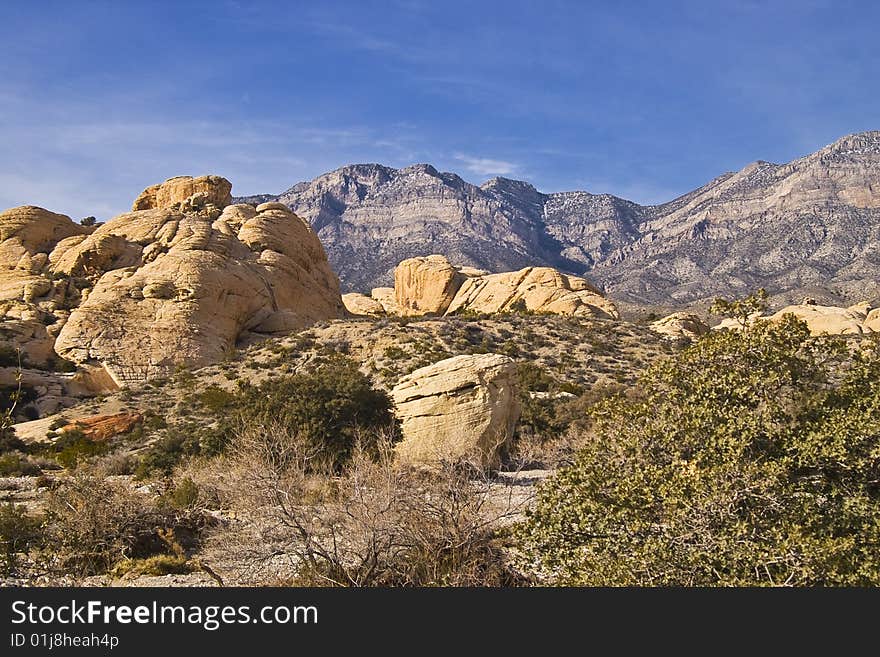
(184, 495)
(10, 356)
(58, 422)
(160, 564)
(166, 453)
(94, 523)
(394, 352)
(13, 396)
(215, 399)
(549, 416)
(118, 464)
(750, 458)
(329, 407)
(9, 441)
(18, 533)
(15, 464)
(533, 378)
(373, 524)
(73, 448)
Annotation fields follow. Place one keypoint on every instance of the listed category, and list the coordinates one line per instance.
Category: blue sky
(646, 100)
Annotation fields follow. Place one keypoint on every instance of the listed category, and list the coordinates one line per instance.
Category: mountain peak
(500, 183)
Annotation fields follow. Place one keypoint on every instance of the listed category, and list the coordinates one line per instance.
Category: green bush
(332, 408)
(18, 533)
(215, 399)
(166, 453)
(14, 464)
(73, 447)
(750, 458)
(184, 495)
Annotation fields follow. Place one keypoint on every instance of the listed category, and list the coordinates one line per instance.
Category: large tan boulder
(386, 297)
(426, 285)
(830, 320)
(213, 190)
(181, 286)
(680, 325)
(461, 408)
(360, 304)
(536, 289)
(872, 321)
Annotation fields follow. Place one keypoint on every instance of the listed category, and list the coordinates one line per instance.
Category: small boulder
(680, 325)
(462, 408)
(360, 304)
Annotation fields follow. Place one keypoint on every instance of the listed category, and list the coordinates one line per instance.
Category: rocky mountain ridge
(808, 227)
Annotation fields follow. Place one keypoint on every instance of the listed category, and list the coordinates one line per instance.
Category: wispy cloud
(485, 166)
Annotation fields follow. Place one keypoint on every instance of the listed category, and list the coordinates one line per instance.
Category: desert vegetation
(747, 457)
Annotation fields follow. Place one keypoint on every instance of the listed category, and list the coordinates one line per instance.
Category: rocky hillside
(811, 226)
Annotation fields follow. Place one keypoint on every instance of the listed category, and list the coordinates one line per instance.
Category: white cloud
(485, 166)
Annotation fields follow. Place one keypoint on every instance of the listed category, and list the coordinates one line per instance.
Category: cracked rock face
(33, 301)
(461, 408)
(182, 285)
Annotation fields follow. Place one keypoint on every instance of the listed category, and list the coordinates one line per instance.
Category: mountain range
(809, 227)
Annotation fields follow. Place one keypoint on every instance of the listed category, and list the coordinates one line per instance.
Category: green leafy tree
(750, 458)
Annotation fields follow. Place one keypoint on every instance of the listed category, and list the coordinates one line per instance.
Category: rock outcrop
(104, 427)
(829, 320)
(212, 190)
(872, 321)
(822, 320)
(431, 285)
(177, 281)
(811, 226)
(426, 286)
(461, 408)
(680, 325)
(533, 289)
(361, 304)
(181, 286)
(33, 301)
(385, 296)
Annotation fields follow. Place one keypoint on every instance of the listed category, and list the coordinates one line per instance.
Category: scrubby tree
(750, 458)
(332, 408)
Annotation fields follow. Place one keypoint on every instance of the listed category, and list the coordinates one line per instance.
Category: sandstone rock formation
(176, 281)
(104, 427)
(830, 320)
(461, 408)
(431, 285)
(426, 286)
(33, 301)
(182, 286)
(386, 297)
(809, 226)
(680, 325)
(210, 190)
(535, 289)
(361, 304)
